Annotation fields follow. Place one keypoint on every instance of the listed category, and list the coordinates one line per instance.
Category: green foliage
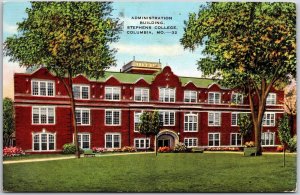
(180, 147)
(70, 148)
(292, 145)
(245, 124)
(65, 36)
(149, 123)
(8, 120)
(284, 134)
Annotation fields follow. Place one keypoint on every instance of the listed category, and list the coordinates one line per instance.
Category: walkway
(68, 157)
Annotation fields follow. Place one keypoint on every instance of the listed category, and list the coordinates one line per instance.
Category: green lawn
(33, 156)
(173, 172)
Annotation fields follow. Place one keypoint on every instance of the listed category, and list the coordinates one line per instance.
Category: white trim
(46, 87)
(188, 138)
(164, 93)
(80, 91)
(40, 141)
(163, 113)
(184, 122)
(235, 139)
(139, 140)
(214, 139)
(214, 98)
(81, 110)
(81, 142)
(113, 134)
(238, 94)
(113, 88)
(112, 122)
(142, 89)
(188, 93)
(214, 119)
(47, 115)
(134, 113)
(274, 119)
(268, 132)
(269, 97)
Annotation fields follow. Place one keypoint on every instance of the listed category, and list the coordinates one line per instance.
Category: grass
(35, 156)
(173, 172)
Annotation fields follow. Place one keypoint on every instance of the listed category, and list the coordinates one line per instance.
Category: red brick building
(195, 111)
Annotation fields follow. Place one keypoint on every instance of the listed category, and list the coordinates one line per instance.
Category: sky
(144, 47)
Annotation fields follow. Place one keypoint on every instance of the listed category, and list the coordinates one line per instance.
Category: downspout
(129, 125)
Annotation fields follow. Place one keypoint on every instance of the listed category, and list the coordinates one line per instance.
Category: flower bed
(128, 149)
(12, 151)
(98, 150)
(222, 149)
(164, 149)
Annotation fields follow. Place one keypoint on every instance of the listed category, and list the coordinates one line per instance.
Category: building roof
(132, 78)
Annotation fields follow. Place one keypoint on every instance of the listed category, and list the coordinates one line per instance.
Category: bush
(128, 149)
(222, 149)
(164, 149)
(180, 147)
(249, 144)
(98, 150)
(279, 149)
(292, 144)
(70, 148)
(12, 151)
(117, 150)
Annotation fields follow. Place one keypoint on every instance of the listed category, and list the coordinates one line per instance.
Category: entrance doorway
(164, 142)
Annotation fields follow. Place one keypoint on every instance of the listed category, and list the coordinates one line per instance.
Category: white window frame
(214, 100)
(214, 139)
(166, 94)
(114, 90)
(236, 102)
(47, 115)
(186, 142)
(191, 124)
(214, 119)
(113, 115)
(39, 87)
(234, 122)
(268, 117)
(81, 140)
(139, 144)
(134, 123)
(188, 96)
(164, 113)
(269, 133)
(113, 135)
(142, 90)
(40, 141)
(81, 116)
(236, 136)
(80, 91)
(271, 99)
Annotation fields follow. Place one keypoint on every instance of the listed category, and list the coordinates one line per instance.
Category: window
(190, 122)
(112, 117)
(137, 116)
(43, 141)
(81, 91)
(166, 94)
(190, 96)
(43, 115)
(83, 140)
(82, 116)
(235, 139)
(42, 88)
(112, 93)
(237, 98)
(142, 143)
(214, 139)
(141, 94)
(112, 140)
(191, 142)
(271, 99)
(167, 118)
(214, 98)
(214, 119)
(267, 138)
(269, 119)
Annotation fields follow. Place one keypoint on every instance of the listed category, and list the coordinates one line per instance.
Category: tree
(68, 38)
(8, 120)
(291, 105)
(150, 125)
(245, 125)
(251, 46)
(284, 133)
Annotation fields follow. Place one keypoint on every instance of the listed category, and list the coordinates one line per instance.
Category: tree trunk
(69, 87)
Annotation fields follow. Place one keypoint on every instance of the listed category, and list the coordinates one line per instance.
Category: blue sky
(165, 47)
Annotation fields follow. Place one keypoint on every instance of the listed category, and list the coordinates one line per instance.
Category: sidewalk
(68, 157)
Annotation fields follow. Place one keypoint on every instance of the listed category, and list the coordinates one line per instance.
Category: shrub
(279, 149)
(180, 147)
(164, 149)
(70, 148)
(222, 149)
(292, 144)
(98, 150)
(117, 150)
(128, 149)
(12, 151)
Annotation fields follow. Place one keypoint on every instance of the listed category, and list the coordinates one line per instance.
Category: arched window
(44, 141)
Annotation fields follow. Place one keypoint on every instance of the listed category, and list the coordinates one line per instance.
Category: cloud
(151, 50)
(9, 28)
